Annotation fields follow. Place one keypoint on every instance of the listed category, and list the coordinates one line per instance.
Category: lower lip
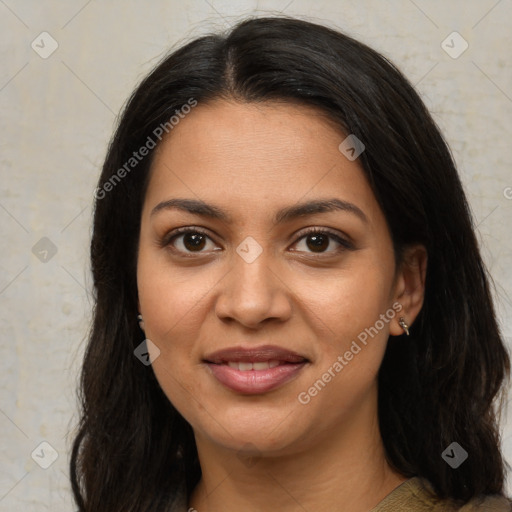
(253, 382)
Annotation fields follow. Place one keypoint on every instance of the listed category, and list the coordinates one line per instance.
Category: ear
(410, 286)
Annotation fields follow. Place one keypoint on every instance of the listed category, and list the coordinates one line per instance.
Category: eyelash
(170, 238)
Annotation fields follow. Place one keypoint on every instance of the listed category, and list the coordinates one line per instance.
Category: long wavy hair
(132, 450)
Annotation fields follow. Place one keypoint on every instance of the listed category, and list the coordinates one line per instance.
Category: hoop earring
(403, 325)
(141, 322)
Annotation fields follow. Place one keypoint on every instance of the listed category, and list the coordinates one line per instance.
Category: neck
(342, 470)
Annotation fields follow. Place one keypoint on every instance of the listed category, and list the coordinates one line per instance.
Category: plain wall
(57, 116)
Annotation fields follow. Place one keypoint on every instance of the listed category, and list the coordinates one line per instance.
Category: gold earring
(403, 325)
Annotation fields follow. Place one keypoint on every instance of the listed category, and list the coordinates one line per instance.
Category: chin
(255, 434)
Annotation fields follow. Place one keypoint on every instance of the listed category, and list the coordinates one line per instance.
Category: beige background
(58, 114)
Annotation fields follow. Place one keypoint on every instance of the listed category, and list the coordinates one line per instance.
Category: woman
(291, 309)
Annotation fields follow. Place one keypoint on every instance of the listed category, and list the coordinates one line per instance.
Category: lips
(256, 370)
(254, 355)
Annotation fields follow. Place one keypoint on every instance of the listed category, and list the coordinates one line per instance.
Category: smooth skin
(269, 451)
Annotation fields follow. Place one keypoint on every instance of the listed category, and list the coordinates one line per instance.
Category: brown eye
(187, 241)
(318, 241)
(193, 241)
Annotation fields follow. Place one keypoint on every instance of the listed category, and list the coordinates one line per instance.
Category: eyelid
(343, 241)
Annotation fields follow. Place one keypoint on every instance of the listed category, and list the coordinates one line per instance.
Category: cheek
(174, 302)
(347, 311)
(169, 302)
(169, 296)
(348, 303)
(349, 356)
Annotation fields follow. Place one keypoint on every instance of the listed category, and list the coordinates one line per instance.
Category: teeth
(243, 367)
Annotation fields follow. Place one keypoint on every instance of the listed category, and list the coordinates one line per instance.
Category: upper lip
(254, 355)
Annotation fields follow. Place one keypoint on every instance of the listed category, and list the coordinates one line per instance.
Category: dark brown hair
(133, 450)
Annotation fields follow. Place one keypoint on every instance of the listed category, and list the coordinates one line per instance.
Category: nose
(253, 293)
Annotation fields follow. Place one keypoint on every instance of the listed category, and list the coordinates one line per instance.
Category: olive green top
(417, 495)
(413, 495)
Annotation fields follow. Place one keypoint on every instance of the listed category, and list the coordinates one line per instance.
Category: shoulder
(488, 504)
(417, 495)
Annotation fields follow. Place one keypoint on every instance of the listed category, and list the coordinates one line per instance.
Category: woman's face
(291, 309)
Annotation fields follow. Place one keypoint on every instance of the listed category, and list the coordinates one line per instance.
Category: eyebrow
(198, 207)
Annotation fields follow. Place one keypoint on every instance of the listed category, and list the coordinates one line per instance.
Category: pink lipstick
(255, 370)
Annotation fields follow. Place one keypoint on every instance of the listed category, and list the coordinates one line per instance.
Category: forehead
(248, 157)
